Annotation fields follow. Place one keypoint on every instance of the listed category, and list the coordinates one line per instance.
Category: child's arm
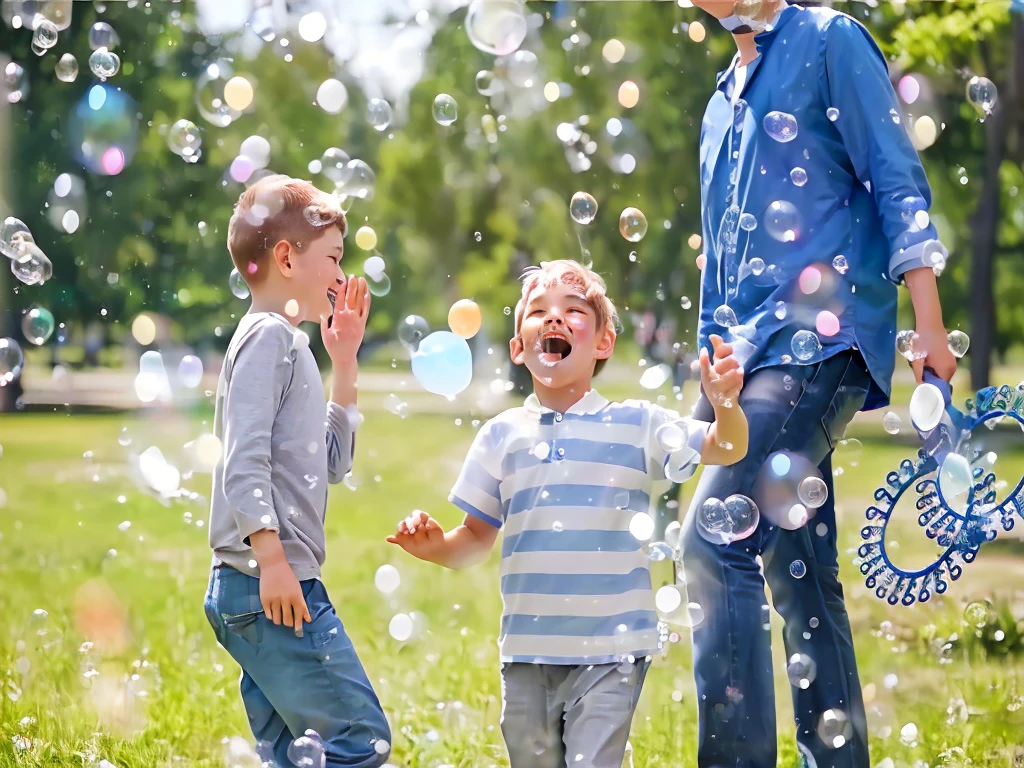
(342, 334)
(722, 380)
(468, 544)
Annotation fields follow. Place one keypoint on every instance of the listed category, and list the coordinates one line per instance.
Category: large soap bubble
(496, 26)
(103, 130)
(443, 364)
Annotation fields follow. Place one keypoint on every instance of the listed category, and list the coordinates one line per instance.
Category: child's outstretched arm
(468, 544)
(722, 380)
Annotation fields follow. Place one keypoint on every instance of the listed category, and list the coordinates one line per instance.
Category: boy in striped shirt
(567, 475)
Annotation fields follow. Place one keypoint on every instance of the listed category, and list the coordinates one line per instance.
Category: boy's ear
(515, 349)
(282, 256)
(605, 345)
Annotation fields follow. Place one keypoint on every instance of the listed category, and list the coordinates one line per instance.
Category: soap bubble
(782, 221)
(641, 526)
(840, 264)
(183, 138)
(723, 522)
(379, 285)
(307, 752)
(238, 93)
(981, 93)
(45, 34)
(257, 149)
(496, 26)
(333, 164)
(583, 208)
(387, 579)
(103, 129)
(632, 224)
(909, 344)
(926, 407)
(332, 96)
(464, 318)
(748, 222)
(725, 316)
(446, 111)
(673, 533)
(237, 285)
(487, 84)
(358, 180)
(366, 238)
(32, 267)
(978, 613)
(813, 492)
(210, 94)
(671, 436)
(806, 345)
(781, 126)
(826, 323)
(312, 27)
(400, 627)
(801, 670)
(832, 113)
(834, 728)
(797, 569)
(15, 82)
(798, 176)
(908, 735)
(104, 63)
(443, 363)
(13, 235)
(374, 267)
(379, 114)
(102, 35)
(190, 371)
(955, 480)
(668, 598)
(892, 423)
(655, 376)
(37, 325)
(412, 330)
(11, 361)
(958, 342)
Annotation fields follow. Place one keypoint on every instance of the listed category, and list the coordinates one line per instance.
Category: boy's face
(717, 8)
(559, 341)
(316, 274)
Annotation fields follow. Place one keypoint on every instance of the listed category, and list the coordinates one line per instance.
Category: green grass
(441, 691)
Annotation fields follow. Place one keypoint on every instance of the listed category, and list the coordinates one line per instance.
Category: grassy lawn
(162, 694)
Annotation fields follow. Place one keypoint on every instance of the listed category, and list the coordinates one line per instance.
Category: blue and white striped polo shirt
(574, 581)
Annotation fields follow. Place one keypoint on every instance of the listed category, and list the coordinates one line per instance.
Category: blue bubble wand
(946, 451)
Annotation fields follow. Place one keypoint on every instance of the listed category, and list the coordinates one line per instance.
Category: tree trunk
(985, 225)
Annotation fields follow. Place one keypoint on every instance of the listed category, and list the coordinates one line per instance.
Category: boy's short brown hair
(278, 208)
(569, 272)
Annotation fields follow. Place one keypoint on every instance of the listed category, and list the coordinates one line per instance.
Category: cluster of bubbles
(28, 262)
(442, 362)
(724, 522)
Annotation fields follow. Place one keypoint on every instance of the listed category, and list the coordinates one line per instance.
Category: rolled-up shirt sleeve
(477, 491)
(264, 363)
(342, 424)
(856, 83)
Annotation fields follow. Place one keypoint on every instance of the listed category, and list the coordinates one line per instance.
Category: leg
(732, 645)
(269, 728)
(816, 624)
(599, 707)
(313, 682)
(530, 724)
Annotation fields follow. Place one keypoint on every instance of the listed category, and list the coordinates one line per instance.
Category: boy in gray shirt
(282, 444)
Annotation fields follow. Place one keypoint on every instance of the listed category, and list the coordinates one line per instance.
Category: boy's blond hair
(278, 208)
(570, 272)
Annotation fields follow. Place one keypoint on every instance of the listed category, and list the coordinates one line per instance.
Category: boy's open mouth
(554, 349)
(332, 295)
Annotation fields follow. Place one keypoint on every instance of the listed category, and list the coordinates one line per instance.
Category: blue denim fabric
(865, 197)
(290, 684)
(732, 646)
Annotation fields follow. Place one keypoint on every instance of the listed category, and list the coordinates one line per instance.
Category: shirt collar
(764, 39)
(590, 403)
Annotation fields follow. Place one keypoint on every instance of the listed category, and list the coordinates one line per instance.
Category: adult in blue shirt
(815, 208)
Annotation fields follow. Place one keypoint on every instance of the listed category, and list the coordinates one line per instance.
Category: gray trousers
(561, 716)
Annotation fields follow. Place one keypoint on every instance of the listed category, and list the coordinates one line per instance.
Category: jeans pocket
(246, 626)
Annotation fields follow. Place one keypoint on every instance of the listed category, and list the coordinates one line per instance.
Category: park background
(104, 650)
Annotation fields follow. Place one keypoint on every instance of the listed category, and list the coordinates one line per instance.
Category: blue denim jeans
(290, 684)
(732, 646)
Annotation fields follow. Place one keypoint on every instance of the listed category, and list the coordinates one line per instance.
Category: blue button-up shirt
(814, 201)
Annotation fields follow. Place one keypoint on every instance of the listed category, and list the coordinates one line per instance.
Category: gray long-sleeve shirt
(282, 444)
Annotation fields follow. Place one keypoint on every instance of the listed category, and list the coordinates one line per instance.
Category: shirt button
(560, 453)
(558, 417)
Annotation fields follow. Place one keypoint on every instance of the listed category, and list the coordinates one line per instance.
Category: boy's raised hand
(420, 535)
(722, 378)
(342, 331)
